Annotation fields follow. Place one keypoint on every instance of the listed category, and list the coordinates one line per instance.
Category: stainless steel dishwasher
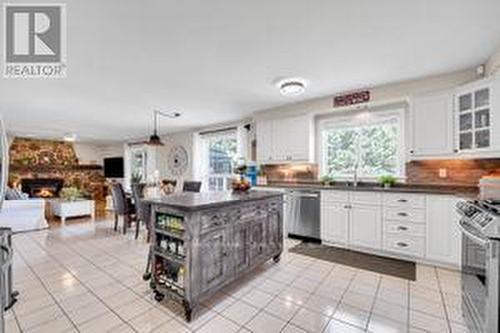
(303, 214)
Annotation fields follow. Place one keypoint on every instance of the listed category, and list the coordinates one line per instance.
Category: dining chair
(141, 209)
(191, 186)
(121, 206)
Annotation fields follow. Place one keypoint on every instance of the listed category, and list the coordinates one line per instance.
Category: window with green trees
(371, 145)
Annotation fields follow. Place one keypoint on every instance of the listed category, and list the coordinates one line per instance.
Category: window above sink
(369, 144)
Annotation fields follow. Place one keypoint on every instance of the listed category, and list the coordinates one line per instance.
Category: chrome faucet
(355, 175)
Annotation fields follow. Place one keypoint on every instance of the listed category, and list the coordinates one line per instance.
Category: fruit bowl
(241, 185)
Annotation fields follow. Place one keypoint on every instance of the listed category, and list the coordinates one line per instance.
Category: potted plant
(387, 181)
(326, 180)
(70, 194)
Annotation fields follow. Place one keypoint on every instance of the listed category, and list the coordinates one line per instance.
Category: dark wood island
(203, 241)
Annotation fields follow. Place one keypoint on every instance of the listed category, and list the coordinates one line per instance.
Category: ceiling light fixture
(292, 86)
(69, 137)
(154, 139)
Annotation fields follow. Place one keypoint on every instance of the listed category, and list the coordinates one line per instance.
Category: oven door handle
(476, 239)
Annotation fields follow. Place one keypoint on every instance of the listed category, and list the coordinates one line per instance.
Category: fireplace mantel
(50, 168)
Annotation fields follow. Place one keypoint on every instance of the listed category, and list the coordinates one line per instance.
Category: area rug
(393, 267)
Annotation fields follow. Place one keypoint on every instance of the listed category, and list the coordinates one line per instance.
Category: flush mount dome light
(69, 137)
(292, 87)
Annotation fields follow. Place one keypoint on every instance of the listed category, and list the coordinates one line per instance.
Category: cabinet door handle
(346, 206)
(403, 214)
(402, 200)
(402, 244)
(402, 228)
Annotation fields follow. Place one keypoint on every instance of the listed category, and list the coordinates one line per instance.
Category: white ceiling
(216, 61)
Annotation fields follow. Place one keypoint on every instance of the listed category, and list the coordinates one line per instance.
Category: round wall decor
(178, 160)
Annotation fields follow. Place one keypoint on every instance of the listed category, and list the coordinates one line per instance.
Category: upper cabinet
(477, 116)
(285, 140)
(464, 122)
(431, 130)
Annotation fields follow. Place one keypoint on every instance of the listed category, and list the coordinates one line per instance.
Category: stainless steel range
(480, 226)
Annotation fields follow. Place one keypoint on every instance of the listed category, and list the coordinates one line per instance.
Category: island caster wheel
(188, 311)
(277, 258)
(152, 285)
(146, 276)
(159, 297)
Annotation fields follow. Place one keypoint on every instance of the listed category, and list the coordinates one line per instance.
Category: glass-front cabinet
(474, 119)
(475, 110)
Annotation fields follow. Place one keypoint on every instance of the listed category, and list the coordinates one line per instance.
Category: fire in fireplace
(42, 187)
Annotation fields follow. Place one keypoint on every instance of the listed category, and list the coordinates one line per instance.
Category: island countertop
(190, 201)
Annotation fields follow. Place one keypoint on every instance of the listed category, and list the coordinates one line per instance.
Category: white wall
(385, 94)
(184, 139)
(493, 63)
(95, 153)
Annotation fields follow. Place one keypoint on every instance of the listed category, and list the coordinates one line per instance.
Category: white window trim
(203, 145)
(356, 117)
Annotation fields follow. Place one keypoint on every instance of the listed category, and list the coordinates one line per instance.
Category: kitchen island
(203, 241)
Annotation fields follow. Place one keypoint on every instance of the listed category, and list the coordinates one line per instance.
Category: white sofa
(23, 215)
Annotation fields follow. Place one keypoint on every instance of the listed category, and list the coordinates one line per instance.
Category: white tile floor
(87, 278)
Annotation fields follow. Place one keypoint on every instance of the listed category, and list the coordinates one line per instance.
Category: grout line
(370, 313)
(342, 298)
(49, 292)
(17, 320)
(260, 310)
(408, 293)
(85, 286)
(443, 300)
(274, 297)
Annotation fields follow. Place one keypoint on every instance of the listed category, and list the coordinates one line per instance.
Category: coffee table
(65, 209)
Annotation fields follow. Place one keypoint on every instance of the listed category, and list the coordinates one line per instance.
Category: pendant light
(154, 139)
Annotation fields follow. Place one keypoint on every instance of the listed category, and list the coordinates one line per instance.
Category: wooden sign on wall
(351, 98)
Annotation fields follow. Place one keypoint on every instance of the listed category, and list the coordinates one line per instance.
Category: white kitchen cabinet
(431, 129)
(334, 222)
(285, 140)
(443, 237)
(417, 226)
(477, 118)
(366, 226)
(265, 142)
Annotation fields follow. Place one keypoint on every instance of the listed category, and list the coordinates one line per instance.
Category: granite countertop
(191, 201)
(462, 191)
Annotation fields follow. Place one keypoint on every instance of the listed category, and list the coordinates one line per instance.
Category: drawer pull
(402, 228)
(401, 244)
(403, 214)
(402, 200)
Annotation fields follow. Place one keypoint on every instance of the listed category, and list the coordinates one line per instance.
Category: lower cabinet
(242, 246)
(413, 225)
(274, 231)
(443, 236)
(335, 222)
(257, 240)
(366, 226)
(215, 260)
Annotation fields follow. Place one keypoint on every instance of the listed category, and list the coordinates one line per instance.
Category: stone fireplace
(42, 187)
(43, 167)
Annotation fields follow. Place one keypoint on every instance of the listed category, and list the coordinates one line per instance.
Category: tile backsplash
(291, 173)
(458, 172)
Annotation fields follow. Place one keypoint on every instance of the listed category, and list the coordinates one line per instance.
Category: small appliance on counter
(251, 173)
(480, 228)
(489, 187)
